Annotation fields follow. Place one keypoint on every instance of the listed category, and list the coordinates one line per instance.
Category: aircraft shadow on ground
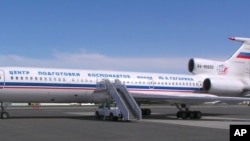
(206, 117)
(218, 117)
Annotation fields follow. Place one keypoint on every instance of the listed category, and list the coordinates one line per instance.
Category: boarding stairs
(125, 101)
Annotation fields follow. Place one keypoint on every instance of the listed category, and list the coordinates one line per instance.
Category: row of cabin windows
(164, 83)
(86, 80)
(37, 78)
(46, 79)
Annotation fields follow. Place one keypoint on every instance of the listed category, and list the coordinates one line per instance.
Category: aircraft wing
(187, 98)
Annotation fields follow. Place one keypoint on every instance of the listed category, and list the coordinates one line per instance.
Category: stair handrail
(130, 98)
(120, 103)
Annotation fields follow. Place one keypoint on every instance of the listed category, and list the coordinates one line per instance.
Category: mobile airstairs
(125, 101)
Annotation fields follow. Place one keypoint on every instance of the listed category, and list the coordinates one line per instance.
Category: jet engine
(229, 87)
(198, 66)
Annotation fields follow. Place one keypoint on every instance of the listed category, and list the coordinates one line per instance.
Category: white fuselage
(69, 85)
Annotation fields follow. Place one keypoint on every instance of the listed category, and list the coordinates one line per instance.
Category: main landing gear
(4, 114)
(184, 112)
(146, 111)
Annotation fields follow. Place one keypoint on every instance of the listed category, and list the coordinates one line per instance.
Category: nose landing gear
(4, 114)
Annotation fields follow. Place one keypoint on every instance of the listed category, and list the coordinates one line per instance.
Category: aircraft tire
(197, 114)
(183, 115)
(191, 115)
(4, 115)
(146, 111)
(178, 114)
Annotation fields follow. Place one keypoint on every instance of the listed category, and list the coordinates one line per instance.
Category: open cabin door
(2, 83)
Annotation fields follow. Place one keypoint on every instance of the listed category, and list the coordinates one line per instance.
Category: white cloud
(83, 60)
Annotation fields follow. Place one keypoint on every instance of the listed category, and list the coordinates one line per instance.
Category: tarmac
(78, 123)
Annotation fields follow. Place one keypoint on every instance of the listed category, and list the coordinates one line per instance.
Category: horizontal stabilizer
(240, 39)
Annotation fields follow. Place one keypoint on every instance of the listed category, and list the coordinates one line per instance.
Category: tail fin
(243, 53)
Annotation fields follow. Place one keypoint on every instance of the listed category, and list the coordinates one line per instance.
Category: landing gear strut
(184, 112)
(4, 114)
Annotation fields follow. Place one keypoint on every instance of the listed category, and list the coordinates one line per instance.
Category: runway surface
(79, 124)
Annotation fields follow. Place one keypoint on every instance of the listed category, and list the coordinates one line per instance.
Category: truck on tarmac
(108, 110)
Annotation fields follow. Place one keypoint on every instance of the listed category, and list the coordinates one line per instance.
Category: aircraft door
(247, 70)
(2, 83)
(151, 84)
(100, 84)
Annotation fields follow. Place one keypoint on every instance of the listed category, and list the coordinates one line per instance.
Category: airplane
(210, 81)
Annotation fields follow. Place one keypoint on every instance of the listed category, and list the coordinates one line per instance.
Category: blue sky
(130, 35)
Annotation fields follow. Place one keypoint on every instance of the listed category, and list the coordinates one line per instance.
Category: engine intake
(191, 65)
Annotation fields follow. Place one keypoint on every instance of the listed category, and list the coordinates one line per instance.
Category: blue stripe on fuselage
(27, 84)
(163, 88)
(65, 85)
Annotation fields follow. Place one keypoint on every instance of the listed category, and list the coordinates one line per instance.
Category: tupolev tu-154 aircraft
(211, 81)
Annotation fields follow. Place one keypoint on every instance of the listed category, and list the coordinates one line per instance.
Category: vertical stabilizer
(243, 53)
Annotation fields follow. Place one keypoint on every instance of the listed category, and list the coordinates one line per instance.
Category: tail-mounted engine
(223, 86)
(199, 66)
